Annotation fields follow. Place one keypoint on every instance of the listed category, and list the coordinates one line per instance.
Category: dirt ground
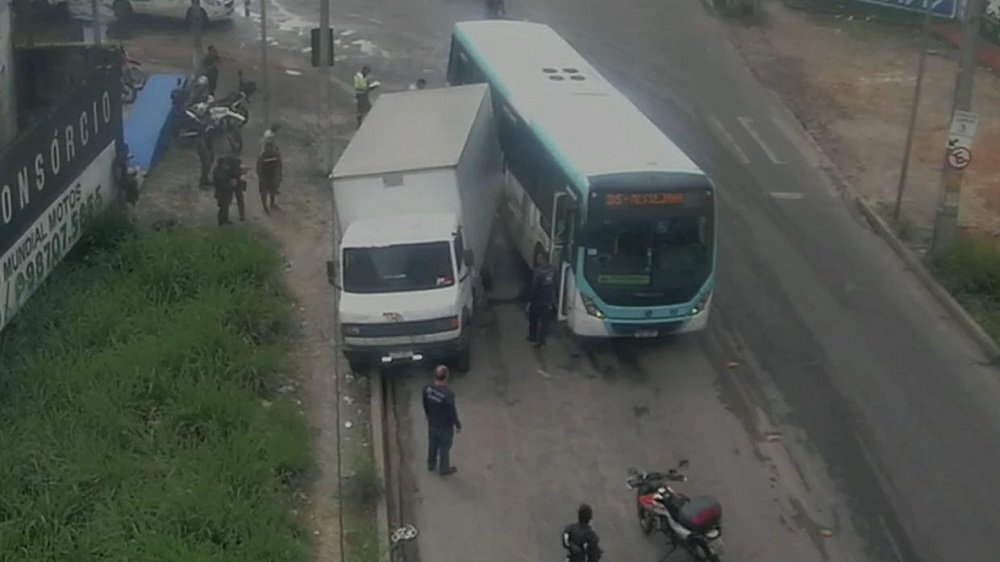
(851, 84)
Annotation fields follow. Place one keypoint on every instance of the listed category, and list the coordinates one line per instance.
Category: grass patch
(971, 272)
(138, 411)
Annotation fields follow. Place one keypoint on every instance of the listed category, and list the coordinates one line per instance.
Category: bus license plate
(647, 334)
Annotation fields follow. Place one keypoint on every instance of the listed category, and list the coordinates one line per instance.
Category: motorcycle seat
(699, 513)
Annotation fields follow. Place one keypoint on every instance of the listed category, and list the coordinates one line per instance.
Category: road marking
(733, 145)
(747, 124)
(789, 195)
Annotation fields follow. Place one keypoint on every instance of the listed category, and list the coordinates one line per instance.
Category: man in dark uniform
(580, 540)
(229, 183)
(206, 155)
(211, 67)
(269, 171)
(541, 298)
(442, 422)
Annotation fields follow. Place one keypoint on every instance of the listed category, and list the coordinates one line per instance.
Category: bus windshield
(393, 269)
(649, 259)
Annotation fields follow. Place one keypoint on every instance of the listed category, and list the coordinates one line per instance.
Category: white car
(212, 10)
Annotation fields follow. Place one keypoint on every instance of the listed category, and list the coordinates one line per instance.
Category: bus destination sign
(624, 200)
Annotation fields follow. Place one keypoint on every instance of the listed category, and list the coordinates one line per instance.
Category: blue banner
(941, 8)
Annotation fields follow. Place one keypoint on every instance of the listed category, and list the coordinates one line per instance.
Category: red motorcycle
(691, 523)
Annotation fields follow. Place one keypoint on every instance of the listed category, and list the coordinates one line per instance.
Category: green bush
(138, 412)
(973, 267)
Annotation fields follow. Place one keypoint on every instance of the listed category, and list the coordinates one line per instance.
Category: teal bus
(622, 211)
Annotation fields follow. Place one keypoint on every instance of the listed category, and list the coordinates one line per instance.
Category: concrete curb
(379, 453)
(989, 347)
(954, 308)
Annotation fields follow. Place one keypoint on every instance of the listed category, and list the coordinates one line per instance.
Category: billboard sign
(53, 179)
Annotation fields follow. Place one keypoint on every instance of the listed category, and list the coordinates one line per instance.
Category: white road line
(733, 145)
(790, 195)
(747, 124)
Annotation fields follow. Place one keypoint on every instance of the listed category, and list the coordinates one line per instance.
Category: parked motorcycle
(691, 523)
(132, 76)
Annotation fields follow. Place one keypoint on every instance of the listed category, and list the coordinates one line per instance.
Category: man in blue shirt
(442, 422)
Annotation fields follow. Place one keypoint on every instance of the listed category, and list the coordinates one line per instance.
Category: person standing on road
(229, 183)
(580, 539)
(210, 64)
(269, 171)
(206, 155)
(541, 297)
(362, 89)
(442, 422)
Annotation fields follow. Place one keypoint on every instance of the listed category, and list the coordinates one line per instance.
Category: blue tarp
(148, 120)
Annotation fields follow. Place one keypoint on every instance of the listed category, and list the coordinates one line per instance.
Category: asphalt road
(855, 405)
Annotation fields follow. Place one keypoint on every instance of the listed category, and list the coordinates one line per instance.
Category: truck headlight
(702, 302)
(591, 308)
(351, 330)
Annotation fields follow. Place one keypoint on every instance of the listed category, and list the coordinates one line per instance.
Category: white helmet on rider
(202, 80)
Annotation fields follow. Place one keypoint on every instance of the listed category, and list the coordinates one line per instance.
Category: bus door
(561, 242)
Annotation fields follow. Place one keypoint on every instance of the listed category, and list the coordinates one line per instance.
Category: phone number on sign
(63, 232)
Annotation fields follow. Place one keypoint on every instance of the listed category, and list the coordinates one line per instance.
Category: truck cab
(404, 302)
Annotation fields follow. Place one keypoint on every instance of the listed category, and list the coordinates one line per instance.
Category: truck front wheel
(358, 366)
(463, 361)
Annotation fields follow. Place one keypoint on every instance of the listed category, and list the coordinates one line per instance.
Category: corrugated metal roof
(413, 130)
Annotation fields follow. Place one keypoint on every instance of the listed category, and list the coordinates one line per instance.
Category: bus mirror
(468, 259)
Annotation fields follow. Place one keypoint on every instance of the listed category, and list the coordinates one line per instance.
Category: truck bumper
(396, 354)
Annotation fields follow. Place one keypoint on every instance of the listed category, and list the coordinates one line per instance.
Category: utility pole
(263, 64)
(197, 22)
(324, 75)
(924, 35)
(96, 11)
(946, 220)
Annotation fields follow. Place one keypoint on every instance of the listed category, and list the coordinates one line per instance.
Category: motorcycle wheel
(646, 521)
(128, 93)
(137, 78)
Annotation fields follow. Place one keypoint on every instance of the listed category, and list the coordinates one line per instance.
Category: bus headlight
(702, 302)
(588, 304)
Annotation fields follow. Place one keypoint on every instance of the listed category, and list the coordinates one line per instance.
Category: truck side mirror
(468, 259)
(331, 272)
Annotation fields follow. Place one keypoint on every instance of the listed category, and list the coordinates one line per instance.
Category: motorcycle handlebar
(673, 475)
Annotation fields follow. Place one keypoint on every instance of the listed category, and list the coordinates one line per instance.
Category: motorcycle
(132, 76)
(238, 101)
(691, 523)
(227, 115)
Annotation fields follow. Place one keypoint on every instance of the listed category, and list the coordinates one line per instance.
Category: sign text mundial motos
(53, 180)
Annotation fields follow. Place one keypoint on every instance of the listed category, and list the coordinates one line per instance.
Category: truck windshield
(394, 269)
(640, 254)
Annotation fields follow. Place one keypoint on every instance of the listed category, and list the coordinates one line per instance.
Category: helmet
(268, 135)
(202, 80)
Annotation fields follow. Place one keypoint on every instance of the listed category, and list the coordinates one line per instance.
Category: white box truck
(416, 194)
